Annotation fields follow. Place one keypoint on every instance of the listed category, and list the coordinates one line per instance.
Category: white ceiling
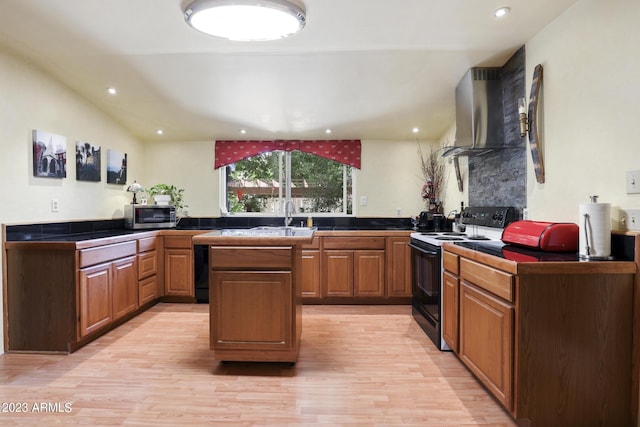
(368, 69)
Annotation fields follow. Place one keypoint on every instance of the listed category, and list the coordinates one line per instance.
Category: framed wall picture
(49, 155)
(116, 167)
(87, 161)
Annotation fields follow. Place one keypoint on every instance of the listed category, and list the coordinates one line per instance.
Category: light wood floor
(358, 366)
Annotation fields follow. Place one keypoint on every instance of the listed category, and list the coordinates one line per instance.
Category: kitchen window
(261, 183)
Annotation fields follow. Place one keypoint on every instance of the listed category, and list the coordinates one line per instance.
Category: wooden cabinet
(107, 291)
(178, 266)
(368, 273)
(547, 339)
(486, 325)
(96, 304)
(255, 295)
(450, 304)
(311, 273)
(252, 311)
(353, 266)
(148, 270)
(486, 340)
(338, 273)
(398, 267)
(311, 285)
(124, 286)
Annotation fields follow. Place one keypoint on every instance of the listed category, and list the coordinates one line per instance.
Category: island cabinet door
(486, 340)
(251, 310)
(96, 306)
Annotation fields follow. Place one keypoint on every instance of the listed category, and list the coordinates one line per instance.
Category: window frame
(282, 191)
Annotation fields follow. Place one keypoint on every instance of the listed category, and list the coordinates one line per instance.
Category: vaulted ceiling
(367, 69)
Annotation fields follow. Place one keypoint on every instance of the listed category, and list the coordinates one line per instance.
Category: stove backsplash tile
(499, 178)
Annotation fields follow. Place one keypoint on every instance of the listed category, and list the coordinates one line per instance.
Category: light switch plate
(633, 182)
(629, 219)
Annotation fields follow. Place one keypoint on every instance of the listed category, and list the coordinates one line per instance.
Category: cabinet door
(450, 310)
(486, 340)
(147, 290)
(95, 298)
(251, 310)
(311, 273)
(178, 272)
(398, 267)
(338, 273)
(368, 273)
(124, 286)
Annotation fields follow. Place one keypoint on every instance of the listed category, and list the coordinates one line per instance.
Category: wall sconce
(524, 121)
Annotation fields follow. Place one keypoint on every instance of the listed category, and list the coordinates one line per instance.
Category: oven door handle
(419, 249)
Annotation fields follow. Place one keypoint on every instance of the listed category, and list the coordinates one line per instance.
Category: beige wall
(591, 95)
(32, 100)
(390, 176)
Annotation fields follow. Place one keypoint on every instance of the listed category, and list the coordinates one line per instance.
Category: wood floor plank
(358, 366)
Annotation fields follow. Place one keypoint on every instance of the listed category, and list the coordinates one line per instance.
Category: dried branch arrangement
(432, 167)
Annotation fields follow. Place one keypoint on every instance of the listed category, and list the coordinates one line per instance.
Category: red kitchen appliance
(544, 236)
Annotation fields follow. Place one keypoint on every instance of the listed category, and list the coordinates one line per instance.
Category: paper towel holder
(587, 255)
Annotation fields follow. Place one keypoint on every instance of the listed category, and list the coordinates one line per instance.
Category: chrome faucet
(288, 211)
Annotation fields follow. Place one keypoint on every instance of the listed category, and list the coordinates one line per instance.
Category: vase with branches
(432, 168)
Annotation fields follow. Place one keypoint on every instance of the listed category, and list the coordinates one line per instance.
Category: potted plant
(174, 194)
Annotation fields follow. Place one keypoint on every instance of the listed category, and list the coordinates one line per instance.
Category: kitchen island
(255, 292)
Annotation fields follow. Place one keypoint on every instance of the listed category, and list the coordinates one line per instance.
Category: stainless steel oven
(425, 301)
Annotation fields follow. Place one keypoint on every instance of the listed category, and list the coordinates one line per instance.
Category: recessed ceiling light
(328, 131)
(246, 20)
(111, 90)
(160, 132)
(415, 130)
(500, 12)
(243, 131)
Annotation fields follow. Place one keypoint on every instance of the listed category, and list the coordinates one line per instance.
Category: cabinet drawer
(247, 257)
(147, 244)
(490, 279)
(106, 253)
(177, 242)
(148, 290)
(353, 242)
(147, 264)
(450, 263)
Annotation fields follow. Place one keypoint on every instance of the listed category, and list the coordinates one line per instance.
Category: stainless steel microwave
(149, 216)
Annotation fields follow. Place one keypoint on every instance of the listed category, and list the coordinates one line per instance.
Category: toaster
(544, 236)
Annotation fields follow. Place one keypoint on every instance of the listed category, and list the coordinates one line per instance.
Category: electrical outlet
(629, 219)
(525, 213)
(633, 182)
(363, 201)
(54, 205)
(398, 212)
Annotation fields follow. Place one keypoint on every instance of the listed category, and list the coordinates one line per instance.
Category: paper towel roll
(595, 230)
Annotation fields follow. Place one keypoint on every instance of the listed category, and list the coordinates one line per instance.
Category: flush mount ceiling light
(246, 20)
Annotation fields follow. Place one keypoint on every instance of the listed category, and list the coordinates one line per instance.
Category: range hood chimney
(479, 114)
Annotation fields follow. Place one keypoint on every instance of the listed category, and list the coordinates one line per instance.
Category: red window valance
(343, 151)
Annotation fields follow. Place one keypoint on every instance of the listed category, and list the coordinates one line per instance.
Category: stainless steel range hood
(479, 115)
